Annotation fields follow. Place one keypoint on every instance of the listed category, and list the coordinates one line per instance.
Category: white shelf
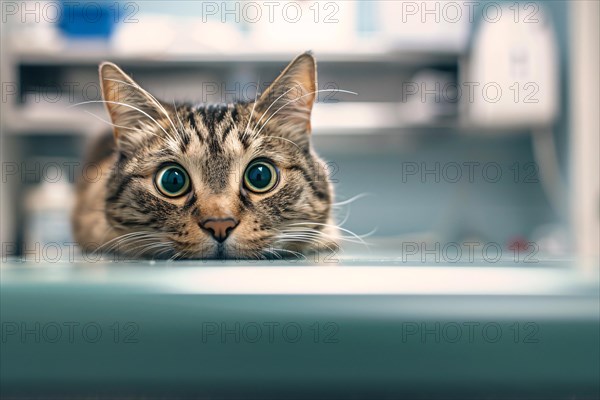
(328, 119)
(51, 122)
(91, 55)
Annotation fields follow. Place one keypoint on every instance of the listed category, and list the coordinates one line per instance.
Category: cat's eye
(172, 181)
(261, 176)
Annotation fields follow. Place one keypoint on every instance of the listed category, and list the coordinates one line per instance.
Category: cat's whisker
(181, 126)
(189, 253)
(253, 108)
(297, 99)
(152, 98)
(116, 239)
(160, 253)
(127, 240)
(317, 233)
(181, 254)
(305, 239)
(331, 226)
(272, 104)
(316, 239)
(126, 246)
(348, 203)
(177, 255)
(295, 253)
(108, 231)
(273, 253)
(306, 235)
(352, 199)
(108, 122)
(149, 247)
(287, 140)
(313, 242)
(124, 105)
(346, 217)
(343, 238)
(259, 255)
(121, 126)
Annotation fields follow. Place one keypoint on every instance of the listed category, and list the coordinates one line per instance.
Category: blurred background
(473, 121)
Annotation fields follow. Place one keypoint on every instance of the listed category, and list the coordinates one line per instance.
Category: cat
(184, 181)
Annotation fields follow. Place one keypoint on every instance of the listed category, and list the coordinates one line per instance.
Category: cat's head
(218, 180)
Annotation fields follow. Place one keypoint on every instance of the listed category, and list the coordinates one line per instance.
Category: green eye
(172, 181)
(260, 176)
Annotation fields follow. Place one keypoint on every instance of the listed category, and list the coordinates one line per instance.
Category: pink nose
(219, 228)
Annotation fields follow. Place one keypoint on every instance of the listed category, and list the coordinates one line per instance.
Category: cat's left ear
(128, 104)
(290, 98)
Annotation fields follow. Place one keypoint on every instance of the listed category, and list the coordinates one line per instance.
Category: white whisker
(296, 253)
(352, 199)
(287, 140)
(332, 226)
(108, 122)
(253, 107)
(124, 105)
(154, 100)
(178, 117)
(297, 99)
(272, 104)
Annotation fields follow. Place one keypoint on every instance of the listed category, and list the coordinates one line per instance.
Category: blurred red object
(518, 243)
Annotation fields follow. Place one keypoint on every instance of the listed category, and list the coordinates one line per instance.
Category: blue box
(85, 19)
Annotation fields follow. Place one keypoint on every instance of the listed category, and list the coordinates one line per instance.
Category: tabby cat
(207, 181)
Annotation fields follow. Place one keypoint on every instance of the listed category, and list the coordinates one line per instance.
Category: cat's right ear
(129, 105)
(290, 98)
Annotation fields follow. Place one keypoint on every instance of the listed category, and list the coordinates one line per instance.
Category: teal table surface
(360, 328)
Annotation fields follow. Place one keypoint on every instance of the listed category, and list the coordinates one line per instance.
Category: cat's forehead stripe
(217, 121)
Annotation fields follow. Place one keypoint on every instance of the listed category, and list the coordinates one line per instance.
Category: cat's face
(218, 181)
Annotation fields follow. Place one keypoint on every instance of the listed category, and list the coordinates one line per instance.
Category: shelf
(92, 55)
(51, 122)
(352, 118)
(328, 119)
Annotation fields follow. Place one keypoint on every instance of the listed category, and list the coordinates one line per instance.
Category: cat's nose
(219, 228)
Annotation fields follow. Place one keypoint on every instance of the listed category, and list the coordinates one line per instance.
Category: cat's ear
(129, 105)
(290, 98)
